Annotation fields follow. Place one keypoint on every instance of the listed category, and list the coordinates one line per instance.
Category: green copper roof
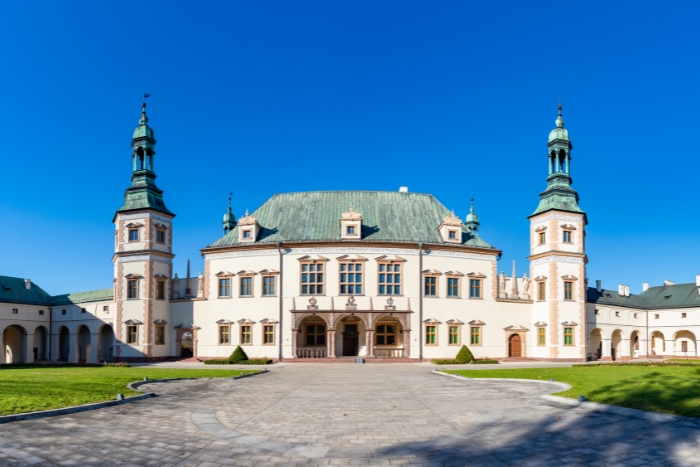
(14, 290)
(558, 195)
(654, 298)
(144, 194)
(387, 216)
(84, 297)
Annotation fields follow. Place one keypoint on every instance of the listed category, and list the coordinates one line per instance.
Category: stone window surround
(541, 287)
(431, 273)
(480, 277)
(219, 334)
(476, 324)
(159, 323)
(161, 279)
(137, 279)
(540, 325)
(435, 323)
(572, 325)
(133, 226)
(268, 273)
(454, 275)
(243, 275)
(224, 275)
(269, 322)
(309, 260)
(241, 323)
(346, 259)
(458, 324)
(135, 323)
(570, 229)
(384, 259)
(160, 228)
(571, 279)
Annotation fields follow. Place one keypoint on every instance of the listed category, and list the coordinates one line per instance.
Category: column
(406, 344)
(295, 336)
(606, 355)
(29, 346)
(94, 348)
(369, 342)
(625, 350)
(330, 344)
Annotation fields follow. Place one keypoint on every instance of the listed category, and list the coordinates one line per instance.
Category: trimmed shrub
(238, 355)
(217, 362)
(485, 361)
(444, 361)
(464, 355)
(252, 361)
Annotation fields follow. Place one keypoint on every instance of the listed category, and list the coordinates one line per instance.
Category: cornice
(560, 256)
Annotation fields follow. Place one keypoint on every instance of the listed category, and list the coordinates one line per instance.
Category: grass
(671, 389)
(684, 360)
(31, 388)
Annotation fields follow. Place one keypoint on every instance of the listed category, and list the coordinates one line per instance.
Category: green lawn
(30, 388)
(671, 389)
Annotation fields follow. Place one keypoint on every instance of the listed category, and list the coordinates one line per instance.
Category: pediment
(223, 274)
(569, 277)
(246, 273)
(133, 321)
(389, 259)
(313, 259)
(568, 227)
(245, 321)
(431, 321)
(269, 321)
(224, 321)
(540, 324)
(569, 323)
(476, 322)
(351, 258)
(541, 228)
(133, 276)
(133, 225)
(269, 272)
(516, 328)
(540, 278)
(476, 275)
(432, 272)
(454, 274)
(160, 321)
(454, 322)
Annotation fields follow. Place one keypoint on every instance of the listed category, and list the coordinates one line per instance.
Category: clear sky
(450, 98)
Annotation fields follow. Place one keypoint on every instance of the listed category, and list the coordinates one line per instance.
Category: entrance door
(350, 338)
(187, 345)
(514, 347)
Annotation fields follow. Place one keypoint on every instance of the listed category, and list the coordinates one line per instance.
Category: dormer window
(248, 228)
(246, 234)
(451, 229)
(351, 230)
(452, 235)
(350, 224)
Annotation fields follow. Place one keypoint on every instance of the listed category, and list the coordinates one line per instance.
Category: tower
(142, 257)
(558, 259)
(229, 218)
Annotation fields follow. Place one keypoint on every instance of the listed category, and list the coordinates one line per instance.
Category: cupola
(351, 225)
(472, 219)
(229, 218)
(451, 229)
(248, 228)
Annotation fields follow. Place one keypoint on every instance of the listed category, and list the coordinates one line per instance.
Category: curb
(99, 405)
(595, 406)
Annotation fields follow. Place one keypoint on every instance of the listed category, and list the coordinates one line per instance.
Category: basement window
(684, 315)
(656, 316)
(41, 312)
(15, 311)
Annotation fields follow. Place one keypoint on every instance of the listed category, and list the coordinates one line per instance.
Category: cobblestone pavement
(383, 414)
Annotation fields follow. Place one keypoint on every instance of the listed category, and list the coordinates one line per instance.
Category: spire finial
(229, 200)
(560, 119)
(246, 212)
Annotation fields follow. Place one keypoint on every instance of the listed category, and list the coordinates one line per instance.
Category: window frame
(247, 287)
(316, 283)
(475, 336)
(569, 335)
(457, 287)
(134, 230)
(542, 238)
(160, 233)
(354, 284)
(129, 288)
(435, 286)
(569, 291)
(567, 236)
(475, 284)
(385, 334)
(246, 331)
(132, 338)
(160, 289)
(458, 334)
(541, 335)
(542, 291)
(159, 331)
(224, 284)
(265, 334)
(224, 334)
(393, 274)
(272, 277)
(431, 330)
(323, 335)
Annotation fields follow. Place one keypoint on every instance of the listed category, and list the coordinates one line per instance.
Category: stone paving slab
(313, 414)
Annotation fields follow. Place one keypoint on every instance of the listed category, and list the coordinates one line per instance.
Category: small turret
(472, 219)
(229, 218)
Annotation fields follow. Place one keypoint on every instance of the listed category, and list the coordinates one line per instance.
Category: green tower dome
(143, 130)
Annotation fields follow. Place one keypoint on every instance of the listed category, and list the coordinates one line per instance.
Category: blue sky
(450, 98)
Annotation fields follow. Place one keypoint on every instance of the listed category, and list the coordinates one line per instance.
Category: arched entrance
(105, 351)
(63, 344)
(515, 346)
(615, 344)
(388, 338)
(40, 341)
(351, 330)
(595, 344)
(658, 344)
(187, 345)
(635, 344)
(312, 338)
(13, 341)
(84, 344)
(684, 344)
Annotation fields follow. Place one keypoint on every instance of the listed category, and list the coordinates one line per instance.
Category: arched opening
(105, 351)
(13, 342)
(658, 344)
(40, 344)
(351, 334)
(615, 344)
(515, 348)
(312, 338)
(595, 344)
(187, 345)
(63, 344)
(635, 349)
(84, 344)
(684, 344)
(388, 338)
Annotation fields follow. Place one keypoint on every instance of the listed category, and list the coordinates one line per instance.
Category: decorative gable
(351, 225)
(451, 229)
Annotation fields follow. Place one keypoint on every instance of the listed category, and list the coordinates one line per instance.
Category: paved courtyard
(374, 414)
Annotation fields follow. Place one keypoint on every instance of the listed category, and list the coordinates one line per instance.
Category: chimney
(621, 290)
(627, 291)
(599, 286)
(667, 282)
(28, 283)
(697, 280)
(645, 286)
(403, 189)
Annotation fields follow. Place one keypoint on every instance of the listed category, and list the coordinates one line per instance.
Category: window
(541, 291)
(131, 334)
(268, 334)
(635, 316)
(315, 334)
(268, 286)
(568, 336)
(567, 236)
(225, 287)
(542, 238)
(541, 336)
(389, 279)
(475, 335)
(132, 288)
(246, 233)
(133, 235)
(430, 286)
(312, 279)
(350, 279)
(160, 335)
(617, 313)
(83, 310)
(351, 230)
(246, 286)
(105, 308)
(41, 312)
(474, 288)
(160, 236)
(63, 312)
(15, 311)
(597, 312)
(454, 335)
(452, 235)
(453, 287)
(431, 335)
(568, 290)
(225, 335)
(385, 334)
(684, 315)
(245, 334)
(160, 290)
(656, 316)
(684, 346)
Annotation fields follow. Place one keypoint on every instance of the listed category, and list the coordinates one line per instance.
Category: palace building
(334, 274)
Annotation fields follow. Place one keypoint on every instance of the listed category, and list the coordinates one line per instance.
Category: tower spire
(472, 219)
(229, 218)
